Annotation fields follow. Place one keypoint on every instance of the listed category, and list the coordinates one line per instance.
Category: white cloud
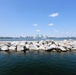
(38, 30)
(53, 15)
(35, 24)
(51, 24)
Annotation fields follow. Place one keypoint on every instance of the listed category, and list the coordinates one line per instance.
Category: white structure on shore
(47, 45)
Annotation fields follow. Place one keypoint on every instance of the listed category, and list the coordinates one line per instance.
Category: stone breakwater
(47, 45)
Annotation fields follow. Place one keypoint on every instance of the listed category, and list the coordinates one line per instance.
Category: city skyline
(42, 17)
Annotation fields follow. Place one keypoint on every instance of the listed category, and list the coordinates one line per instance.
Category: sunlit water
(38, 39)
(34, 63)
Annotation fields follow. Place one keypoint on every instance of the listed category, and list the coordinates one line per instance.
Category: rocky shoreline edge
(43, 45)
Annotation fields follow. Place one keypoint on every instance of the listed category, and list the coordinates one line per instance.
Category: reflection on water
(37, 63)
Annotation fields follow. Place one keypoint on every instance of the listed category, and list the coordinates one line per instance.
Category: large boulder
(20, 48)
(12, 48)
(61, 48)
(51, 47)
(4, 48)
(33, 47)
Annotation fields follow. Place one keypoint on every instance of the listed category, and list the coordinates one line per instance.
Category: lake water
(34, 63)
(38, 39)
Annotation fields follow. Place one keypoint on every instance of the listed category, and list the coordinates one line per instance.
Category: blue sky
(31, 17)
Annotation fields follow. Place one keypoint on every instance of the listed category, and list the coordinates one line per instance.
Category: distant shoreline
(36, 37)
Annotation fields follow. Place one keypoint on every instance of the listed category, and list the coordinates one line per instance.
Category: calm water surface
(37, 39)
(34, 63)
